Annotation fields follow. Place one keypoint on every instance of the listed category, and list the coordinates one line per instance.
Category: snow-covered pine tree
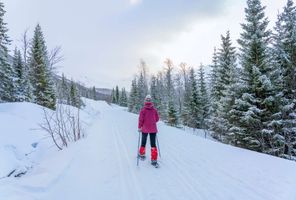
(172, 115)
(123, 98)
(225, 75)
(40, 74)
(117, 95)
(194, 106)
(284, 54)
(228, 78)
(253, 111)
(214, 121)
(187, 97)
(74, 96)
(204, 97)
(28, 86)
(20, 80)
(215, 92)
(113, 96)
(133, 100)
(7, 90)
(179, 92)
(94, 93)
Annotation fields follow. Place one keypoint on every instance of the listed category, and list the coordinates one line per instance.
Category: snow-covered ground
(103, 166)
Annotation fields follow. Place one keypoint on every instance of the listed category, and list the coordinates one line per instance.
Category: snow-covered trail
(103, 166)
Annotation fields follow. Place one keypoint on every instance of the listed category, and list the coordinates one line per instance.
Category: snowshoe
(154, 163)
(142, 157)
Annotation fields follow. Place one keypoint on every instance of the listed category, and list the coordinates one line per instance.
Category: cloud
(135, 2)
(105, 42)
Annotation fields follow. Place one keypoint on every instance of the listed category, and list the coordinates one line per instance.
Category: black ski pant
(152, 139)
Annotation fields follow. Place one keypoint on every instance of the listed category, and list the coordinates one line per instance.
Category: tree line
(248, 99)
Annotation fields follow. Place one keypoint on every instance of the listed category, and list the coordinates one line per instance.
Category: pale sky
(103, 41)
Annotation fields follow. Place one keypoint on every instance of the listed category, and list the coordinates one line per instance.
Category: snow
(103, 165)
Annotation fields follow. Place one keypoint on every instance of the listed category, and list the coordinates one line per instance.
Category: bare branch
(55, 57)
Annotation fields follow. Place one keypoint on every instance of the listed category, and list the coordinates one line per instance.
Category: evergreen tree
(41, 76)
(225, 78)
(94, 93)
(194, 105)
(7, 88)
(187, 98)
(284, 54)
(74, 96)
(179, 93)
(216, 92)
(117, 95)
(253, 111)
(123, 98)
(204, 98)
(19, 77)
(213, 77)
(215, 96)
(172, 114)
(113, 96)
(133, 101)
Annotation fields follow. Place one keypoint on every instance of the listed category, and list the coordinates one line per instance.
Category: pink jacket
(148, 118)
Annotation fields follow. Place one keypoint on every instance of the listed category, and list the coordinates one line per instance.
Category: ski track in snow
(103, 166)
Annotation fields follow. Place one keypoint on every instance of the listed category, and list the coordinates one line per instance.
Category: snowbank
(22, 141)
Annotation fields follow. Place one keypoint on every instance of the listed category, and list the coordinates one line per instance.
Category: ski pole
(138, 148)
(158, 146)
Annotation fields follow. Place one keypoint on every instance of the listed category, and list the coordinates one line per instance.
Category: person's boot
(154, 155)
(142, 152)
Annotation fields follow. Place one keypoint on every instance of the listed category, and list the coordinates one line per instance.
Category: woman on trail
(147, 126)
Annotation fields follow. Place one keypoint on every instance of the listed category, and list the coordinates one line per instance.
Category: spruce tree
(20, 77)
(123, 98)
(133, 100)
(194, 106)
(117, 95)
(215, 96)
(186, 99)
(284, 54)
(172, 114)
(204, 98)
(94, 93)
(41, 76)
(225, 78)
(7, 88)
(253, 111)
(74, 96)
(113, 96)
